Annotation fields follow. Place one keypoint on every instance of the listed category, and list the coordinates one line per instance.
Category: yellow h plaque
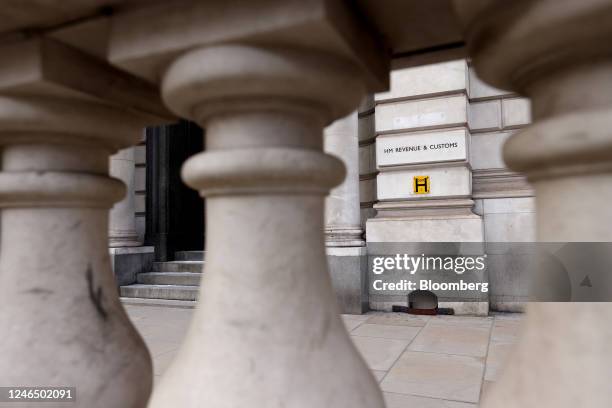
(420, 184)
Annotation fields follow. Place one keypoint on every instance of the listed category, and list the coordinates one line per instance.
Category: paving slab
(420, 361)
(398, 319)
(444, 376)
(380, 354)
(386, 331)
(453, 339)
(411, 401)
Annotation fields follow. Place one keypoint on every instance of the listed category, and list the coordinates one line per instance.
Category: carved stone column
(557, 53)
(266, 332)
(122, 228)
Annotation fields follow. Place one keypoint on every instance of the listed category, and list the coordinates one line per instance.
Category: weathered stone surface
(366, 128)
(485, 115)
(128, 262)
(150, 291)
(170, 278)
(516, 112)
(145, 40)
(178, 266)
(379, 353)
(486, 150)
(348, 270)
(140, 154)
(367, 190)
(499, 183)
(367, 104)
(122, 225)
(342, 226)
(446, 77)
(479, 89)
(464, 341)
(445, 376)
(465, 229)
(140, 174)
(367, 159)
(444, 182)
(516, 227)
(420, 114)
(417, 148)
(397, 332)
(190, 255)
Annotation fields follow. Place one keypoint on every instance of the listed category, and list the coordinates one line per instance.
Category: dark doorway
(175, 212)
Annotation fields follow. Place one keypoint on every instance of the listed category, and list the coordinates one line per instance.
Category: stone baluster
(122, 228)
(59, 308)
(557, 53)
(342, 218)
(266, 332)
(61, 319)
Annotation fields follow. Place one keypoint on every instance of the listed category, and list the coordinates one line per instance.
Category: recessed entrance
(175, 212)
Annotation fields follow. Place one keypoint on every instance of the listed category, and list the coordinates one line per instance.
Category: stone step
(169, 278)
(177, 292)
(190, 255)
(180, 304)
(178, 266)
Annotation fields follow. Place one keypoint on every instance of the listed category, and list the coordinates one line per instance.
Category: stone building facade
(80, 79)
(437, 120)
(473, 196)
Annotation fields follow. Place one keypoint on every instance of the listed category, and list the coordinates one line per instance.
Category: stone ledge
(131, 250)
(499, 183)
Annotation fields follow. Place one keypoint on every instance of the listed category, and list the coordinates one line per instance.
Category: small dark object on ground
(428, 312)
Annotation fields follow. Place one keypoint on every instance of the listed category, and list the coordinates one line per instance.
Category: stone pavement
(420, 361)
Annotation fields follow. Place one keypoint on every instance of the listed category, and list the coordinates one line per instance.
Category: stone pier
(128, 256)
(346, 252)
(122, 225)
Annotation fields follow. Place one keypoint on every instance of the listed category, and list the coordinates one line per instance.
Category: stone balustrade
(264, 78)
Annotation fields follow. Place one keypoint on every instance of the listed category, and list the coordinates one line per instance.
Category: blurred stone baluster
(266, 331)
(557, 53)
(61, 319)
(265, 178)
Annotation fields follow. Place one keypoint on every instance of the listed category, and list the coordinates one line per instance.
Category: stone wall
(442, 122)
(502, 197)
(367, 160)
